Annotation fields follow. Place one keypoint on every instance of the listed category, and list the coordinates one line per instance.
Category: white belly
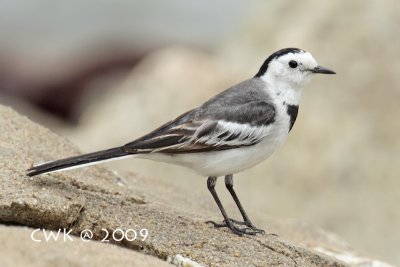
(230, 161)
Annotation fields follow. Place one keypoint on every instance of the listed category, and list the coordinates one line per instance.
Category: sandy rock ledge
(20, 250)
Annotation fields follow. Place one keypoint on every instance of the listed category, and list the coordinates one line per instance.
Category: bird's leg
(211, 181)
(246, 219)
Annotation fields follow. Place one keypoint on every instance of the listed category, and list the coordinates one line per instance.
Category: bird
(231, 132)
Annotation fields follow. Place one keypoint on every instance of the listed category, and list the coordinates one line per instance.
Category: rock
(95, 199)
(18, 249)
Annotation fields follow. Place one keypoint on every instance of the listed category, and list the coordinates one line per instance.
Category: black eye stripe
(292, 64)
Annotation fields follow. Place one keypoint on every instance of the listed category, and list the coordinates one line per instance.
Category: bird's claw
(249, 228)
(248, 224)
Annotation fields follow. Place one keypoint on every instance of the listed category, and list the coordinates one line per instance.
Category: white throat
(282, 92)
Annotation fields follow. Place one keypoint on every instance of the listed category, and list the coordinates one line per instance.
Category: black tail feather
(77, 160)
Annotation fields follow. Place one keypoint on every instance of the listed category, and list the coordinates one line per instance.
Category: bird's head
(290, 67)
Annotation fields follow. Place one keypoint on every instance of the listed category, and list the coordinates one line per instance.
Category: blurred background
(103, 72)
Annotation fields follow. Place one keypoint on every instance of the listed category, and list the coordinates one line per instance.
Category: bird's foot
(249, 224)
(248, 229)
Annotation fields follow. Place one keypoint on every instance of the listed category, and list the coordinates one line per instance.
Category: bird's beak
(323, 70)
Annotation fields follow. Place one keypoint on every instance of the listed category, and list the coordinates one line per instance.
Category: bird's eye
(292, 64)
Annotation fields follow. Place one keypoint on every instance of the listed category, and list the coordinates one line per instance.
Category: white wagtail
(231, 132)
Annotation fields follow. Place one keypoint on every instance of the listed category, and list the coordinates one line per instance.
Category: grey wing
(203, 130)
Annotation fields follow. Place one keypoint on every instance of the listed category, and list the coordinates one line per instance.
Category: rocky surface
(20, 250)
(95, 198)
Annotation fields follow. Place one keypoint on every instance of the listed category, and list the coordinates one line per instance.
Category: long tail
(78, 161)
